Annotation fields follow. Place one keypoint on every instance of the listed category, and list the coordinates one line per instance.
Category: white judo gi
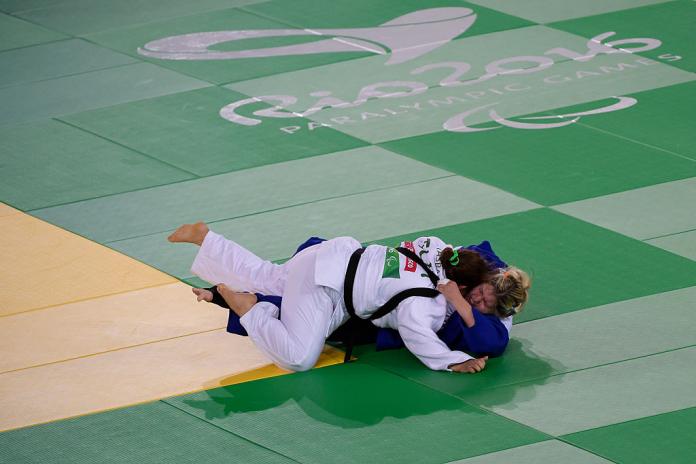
(311, 284)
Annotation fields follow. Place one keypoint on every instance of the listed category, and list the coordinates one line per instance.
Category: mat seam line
(628, 139)
(69, 124)
(80, 300)
(111, 350)
(62, 39)
(27, 83)
(611, 12)
(228, 431)
(631, 420)
(480, 408)
(668, 235)
(295, 205)
(529, 380)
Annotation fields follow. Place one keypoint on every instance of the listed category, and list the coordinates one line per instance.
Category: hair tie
(454, 259)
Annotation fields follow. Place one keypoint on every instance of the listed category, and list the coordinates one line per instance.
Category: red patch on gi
(410, 264)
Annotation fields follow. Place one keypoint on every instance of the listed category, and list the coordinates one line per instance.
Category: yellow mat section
(131, 376)
(85, 329)
(102, 324)
(123, 377)
(329, 357)
(6, 210)
(43, 265)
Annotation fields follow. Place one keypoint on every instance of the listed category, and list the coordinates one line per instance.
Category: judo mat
(560, 131)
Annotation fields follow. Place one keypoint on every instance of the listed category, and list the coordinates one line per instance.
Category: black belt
(390, 305)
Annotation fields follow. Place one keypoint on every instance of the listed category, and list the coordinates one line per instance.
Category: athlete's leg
(220, 260)
(296, 340)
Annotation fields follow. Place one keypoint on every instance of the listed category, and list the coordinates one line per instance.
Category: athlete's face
(483, 298)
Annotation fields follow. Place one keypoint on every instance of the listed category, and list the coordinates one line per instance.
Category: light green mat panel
(67, 164)
(241, 193)
(662, 438)
(154, 432)
(568, 342)
(15, 33)
(355, 413)
(56, 59)
(373, 215)
(599, 396)
(682, 244)
(671, 23)
(669, 207)
(545, 452)
(80, 17)
(186, 130)
(81, 92)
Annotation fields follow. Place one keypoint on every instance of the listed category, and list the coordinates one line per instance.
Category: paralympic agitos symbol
(402, 39)
(406, 37)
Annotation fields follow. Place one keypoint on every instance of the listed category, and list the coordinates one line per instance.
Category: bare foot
(202, 294)
(239, 302)
(190, 233)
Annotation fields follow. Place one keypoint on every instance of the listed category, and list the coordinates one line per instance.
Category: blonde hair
(511, 285)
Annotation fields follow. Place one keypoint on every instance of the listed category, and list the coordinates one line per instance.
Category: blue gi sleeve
(488, 336)
(486, 251)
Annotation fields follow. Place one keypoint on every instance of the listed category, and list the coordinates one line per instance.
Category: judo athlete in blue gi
(315, 301)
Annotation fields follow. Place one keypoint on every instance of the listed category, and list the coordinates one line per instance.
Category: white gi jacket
(382, 273)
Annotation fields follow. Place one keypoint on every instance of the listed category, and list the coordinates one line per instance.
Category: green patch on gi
(391, 264)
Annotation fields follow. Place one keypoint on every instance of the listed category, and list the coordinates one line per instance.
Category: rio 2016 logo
(402, 39)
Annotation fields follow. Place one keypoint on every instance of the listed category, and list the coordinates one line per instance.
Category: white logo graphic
(456, 123)
(404, 38)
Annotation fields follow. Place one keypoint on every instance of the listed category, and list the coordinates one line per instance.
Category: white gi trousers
(294, 341)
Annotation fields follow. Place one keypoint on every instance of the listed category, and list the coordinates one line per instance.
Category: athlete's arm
(453, 294)
(418, 318)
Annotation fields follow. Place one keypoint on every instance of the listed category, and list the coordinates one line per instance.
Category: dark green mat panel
(355, 413)
(79, 17)
(514, 367)
(664, 438)
(573, 264)
(128, 40)
(68, 164)
(150, 433)
(349, 13)
(15, 33)
(186, 130)
(662, 118)
(575, 162)
(671, 23)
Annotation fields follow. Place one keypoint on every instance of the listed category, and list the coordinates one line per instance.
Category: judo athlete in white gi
(311, 284)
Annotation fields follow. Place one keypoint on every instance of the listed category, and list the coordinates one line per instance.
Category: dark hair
(471, 270)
